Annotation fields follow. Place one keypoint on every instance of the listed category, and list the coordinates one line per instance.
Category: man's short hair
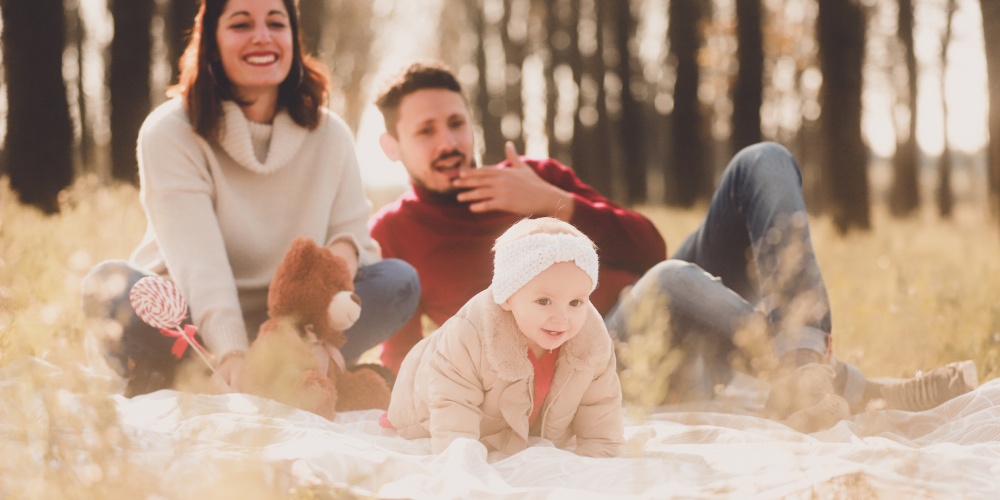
(418, 76)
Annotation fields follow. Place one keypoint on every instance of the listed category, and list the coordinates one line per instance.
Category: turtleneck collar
(286, 139)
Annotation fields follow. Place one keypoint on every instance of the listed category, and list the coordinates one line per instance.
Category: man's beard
(464, 161)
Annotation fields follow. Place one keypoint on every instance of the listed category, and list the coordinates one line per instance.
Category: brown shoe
(928, 390)
(820, 416)
(798, 388)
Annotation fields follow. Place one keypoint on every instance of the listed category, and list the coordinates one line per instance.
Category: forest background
(892, 109)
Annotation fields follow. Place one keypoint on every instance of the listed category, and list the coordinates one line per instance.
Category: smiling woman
(255, 50)
(249, 52)
(245, 159)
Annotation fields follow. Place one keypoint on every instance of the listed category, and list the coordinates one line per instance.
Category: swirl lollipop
(159, 303)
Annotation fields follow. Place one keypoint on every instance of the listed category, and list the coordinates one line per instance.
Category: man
(446, 223)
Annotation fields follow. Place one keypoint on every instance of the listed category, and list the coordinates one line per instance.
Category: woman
(241, 161)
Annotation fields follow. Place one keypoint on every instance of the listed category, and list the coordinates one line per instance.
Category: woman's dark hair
(203, 84)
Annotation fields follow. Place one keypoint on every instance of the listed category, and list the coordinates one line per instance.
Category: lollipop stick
(203, 356)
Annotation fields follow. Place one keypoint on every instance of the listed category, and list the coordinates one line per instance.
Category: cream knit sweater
(219, 221)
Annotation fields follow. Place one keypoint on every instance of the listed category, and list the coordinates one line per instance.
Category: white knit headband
(518, 262)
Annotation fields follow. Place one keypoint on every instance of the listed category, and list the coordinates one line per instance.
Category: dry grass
(908, 295)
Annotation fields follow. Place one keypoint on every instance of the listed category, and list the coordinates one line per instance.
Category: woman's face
(255, 45)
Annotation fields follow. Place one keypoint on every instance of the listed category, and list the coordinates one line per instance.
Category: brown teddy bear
(295, 358)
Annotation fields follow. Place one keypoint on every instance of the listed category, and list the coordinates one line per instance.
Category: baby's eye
(575, 303)
(543, 302)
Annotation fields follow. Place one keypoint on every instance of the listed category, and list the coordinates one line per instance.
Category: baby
(529, 356)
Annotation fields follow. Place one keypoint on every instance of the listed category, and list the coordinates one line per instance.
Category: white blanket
(188, 443)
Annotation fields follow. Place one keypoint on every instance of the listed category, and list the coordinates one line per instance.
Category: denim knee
(105, 291)
(390, 292)
(403, 284)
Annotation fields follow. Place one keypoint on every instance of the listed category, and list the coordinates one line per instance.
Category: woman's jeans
(750, 262)
(389, 292)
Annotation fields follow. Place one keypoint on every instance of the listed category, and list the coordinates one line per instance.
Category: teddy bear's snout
(344, 310)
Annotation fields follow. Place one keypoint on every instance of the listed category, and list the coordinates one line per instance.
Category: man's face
(434, 138)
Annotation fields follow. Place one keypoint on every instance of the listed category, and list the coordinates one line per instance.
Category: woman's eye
(277, 25)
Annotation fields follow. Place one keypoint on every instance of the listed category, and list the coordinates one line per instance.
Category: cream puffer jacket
(472, 378)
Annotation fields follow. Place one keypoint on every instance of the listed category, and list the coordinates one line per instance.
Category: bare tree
(179, 18)
(945, 197)
(129, 83)
(312, 16)
(991, 39)
(841, 26)
(591, 137)
(514, 36)
(905, 195)
(631, 118)
(748, 92)
(561, 30)
(349, 41)
(77, 33)
(490, 103)
(39, 140)
(688, 176)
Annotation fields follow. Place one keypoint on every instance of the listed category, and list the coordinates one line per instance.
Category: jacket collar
(507, 349)
(234, 137)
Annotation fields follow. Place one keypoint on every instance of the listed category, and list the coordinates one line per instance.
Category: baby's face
(552, 307)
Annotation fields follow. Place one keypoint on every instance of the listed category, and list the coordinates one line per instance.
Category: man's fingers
(474, 195)
(482, 206)
(477, 177)
(512, 156)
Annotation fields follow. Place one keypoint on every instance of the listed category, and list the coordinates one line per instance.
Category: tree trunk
(630, 121)
(39, 144)
(560, 27)
(489, 105)
(311, 22)
(179, 20)
(513, 35)
(945, 197)
(688, 177)
(128, 83)
(748, 92)
(86, 145)
(592, 141)
(905, 194)
(841, 34)
(348, 58)
(991, 38)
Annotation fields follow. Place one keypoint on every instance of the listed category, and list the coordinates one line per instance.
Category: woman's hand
(227, 374)
(346, 250)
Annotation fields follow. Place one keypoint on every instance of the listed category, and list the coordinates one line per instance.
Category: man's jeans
(751, 261)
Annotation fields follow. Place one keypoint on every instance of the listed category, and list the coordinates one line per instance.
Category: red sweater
(451, 247)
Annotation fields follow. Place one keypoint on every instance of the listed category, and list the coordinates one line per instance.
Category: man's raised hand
(516, 189)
